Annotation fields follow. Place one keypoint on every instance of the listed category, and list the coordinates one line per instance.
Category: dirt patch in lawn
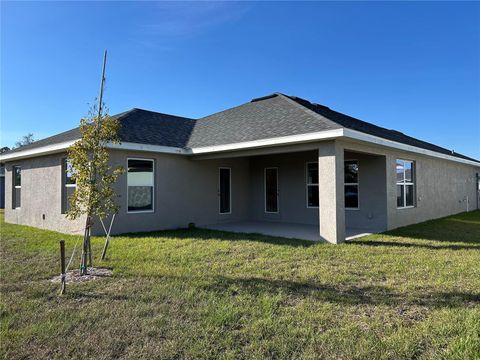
(73, 276)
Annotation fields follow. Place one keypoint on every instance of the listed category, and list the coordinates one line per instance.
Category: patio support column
(331, 208)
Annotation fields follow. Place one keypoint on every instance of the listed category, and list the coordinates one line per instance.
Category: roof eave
(261, 143)
(37, 151)
(62, 147)
(371, 139)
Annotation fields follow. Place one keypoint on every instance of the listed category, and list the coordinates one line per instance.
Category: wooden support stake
(62, 265)
(83, 262)
(107, 240)
(90, 262)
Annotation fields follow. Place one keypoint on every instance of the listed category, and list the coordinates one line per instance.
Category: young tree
(88, 161)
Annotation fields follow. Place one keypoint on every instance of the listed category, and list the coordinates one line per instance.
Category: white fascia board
(61, 147)
(149, 148)
(284, 140)
(357, 135)
(40, 151)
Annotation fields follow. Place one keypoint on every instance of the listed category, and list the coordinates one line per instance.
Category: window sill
(405, 207)
(141, 212)
(354, 209)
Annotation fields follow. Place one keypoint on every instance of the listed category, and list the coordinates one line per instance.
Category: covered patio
(324, 192)
(281, 229)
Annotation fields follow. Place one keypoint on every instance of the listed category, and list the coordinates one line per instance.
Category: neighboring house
(2, 186)
(278, 165)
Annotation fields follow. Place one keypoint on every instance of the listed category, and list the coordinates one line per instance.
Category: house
(2, 186)
(278, 165)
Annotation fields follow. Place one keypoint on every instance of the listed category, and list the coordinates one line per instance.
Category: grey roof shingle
(279, 115)
(272, 116)
(268, 117)
(148, 127)
(68, 135)
(137, 126)
(372, 129)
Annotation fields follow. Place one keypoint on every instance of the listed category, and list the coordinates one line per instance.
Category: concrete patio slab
(279, 229)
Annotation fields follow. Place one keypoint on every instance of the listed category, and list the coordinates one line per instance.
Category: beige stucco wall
(187, 190)
(291, 188)
(441, 185)
(371, 214)
(331, 191)
(41, 195)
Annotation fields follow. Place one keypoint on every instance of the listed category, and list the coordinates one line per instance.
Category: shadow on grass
(346, 294)
(206, 234)
(461, 228)
(379, 243)
(339, 294)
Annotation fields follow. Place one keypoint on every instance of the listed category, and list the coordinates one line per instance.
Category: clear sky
(411, 66)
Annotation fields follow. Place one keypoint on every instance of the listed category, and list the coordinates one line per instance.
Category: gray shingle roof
(148, 127)
(272, 116)
(137, 126)
(279, 115)
(263, 118)
(372, 129)
(65, 136)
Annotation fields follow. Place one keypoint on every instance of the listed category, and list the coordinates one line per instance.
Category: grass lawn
(413, 293)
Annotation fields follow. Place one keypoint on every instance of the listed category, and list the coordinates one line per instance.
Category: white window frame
(404, 184)
(153, 192)
(307, 184)
(64, 183)
(265, 190)
(357, 184)
(229, 193)
(16, 187)
(65, 176)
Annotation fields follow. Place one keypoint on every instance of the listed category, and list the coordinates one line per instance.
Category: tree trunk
(90, 262)
(83, 262)
(87, 249)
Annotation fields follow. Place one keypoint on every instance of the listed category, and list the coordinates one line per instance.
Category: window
(17, 187)
(68, 185)
(312, 185)
(405, 183)
(271, 190)
(140, 185)
(351, 184)
(225, 190)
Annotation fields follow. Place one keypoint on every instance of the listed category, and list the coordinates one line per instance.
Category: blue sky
(411, 66)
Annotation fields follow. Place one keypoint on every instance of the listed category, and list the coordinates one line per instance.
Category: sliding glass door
(225, 190)
(271, 190)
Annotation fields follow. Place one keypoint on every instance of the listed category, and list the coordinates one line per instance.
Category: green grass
(413, 293)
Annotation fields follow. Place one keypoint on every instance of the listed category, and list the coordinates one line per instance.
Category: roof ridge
(222, 111)
(266, 97)
(307, 110)
(378, 127)
(123, 114)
